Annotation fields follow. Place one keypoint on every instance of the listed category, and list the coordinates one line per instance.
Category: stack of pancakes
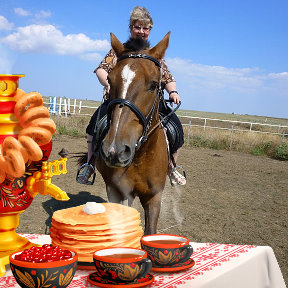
(118, 226)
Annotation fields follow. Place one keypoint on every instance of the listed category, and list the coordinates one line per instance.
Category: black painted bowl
(46, 274)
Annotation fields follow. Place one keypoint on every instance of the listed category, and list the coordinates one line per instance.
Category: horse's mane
(136, 44)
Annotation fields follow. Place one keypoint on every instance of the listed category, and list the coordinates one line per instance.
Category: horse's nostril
(126, 154)
(127, 149)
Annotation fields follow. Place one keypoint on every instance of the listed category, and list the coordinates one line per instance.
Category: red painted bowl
(46, 274)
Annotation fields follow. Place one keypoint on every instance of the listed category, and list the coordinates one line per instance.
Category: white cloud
(43, 14)
(38, 17)
(21, 12)
(48, 39)
(5, 24)
(219, 79)
(216, 77)
(279, 76)
(223, 89)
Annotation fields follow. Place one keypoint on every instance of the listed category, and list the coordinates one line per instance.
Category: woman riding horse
(140, 26)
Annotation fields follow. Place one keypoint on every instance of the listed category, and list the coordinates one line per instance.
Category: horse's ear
(117, 46)
(158, 51)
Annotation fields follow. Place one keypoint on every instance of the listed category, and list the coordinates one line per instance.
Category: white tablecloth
(217, 266)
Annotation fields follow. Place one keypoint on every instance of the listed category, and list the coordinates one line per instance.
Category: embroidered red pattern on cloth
(208, 257)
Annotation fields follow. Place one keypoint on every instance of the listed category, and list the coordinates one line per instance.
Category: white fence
(233, 126)
(67, 107)
(63, 106)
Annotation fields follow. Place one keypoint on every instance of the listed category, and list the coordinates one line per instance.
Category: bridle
(146, 121)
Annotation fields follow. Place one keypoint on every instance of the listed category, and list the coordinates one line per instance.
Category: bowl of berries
(44, 266)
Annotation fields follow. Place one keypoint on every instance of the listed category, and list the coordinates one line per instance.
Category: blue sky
(227, 56)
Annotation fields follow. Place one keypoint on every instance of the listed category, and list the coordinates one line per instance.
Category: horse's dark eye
(153, 86)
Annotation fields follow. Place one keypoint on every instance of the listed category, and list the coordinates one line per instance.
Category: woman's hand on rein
(175, 98)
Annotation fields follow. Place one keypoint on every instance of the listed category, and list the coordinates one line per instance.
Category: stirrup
(84, 173)
(176, 178)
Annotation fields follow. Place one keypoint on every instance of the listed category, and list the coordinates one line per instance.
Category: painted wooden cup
(166, 249)
(121, 265)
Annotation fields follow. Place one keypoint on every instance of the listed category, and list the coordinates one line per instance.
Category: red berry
(46, 253)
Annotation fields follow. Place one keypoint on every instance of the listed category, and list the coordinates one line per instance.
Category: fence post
(68, 108)
(251, 126)
(60, 106)
(74, 108)
(65, 107)
(205, 120)
(283, 137)
(54, 105)
(231, 136)
(188, 136)
(50, 104)
(80, 104)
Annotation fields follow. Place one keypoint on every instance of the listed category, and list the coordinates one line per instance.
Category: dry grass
(248, 142)
(72, 126)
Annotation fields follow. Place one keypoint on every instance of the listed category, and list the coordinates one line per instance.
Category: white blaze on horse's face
(127, 77)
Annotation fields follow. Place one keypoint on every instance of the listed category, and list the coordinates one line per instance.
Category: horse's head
(135, 84)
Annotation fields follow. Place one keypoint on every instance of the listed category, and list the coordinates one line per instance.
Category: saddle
(173, 133)
(101, 130)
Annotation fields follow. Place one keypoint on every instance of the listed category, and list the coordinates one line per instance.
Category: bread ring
(10, 143)
(39, 135)
(45, 123)
(2, 166)
(31, 148)
(32, 114)
(24, 104)
(2, 175)
(15, 163)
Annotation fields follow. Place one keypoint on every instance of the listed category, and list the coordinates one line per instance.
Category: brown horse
(134, 158)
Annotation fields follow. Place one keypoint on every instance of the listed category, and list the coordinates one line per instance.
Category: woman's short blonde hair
(141, 15)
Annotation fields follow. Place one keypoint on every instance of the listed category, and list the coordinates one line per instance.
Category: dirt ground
(230, 197)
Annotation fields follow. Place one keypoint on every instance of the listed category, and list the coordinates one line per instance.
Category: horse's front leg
(151, 206)
(116, 196)
(113, 195)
